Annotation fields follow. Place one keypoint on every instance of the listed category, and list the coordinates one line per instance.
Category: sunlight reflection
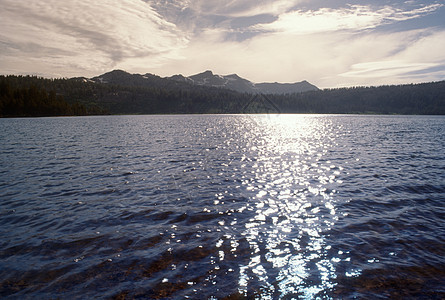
(292, 205)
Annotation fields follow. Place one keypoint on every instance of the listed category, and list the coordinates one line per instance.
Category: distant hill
(236, 83)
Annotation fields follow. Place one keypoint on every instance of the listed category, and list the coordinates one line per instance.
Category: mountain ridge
(239, 84)
(205, 79)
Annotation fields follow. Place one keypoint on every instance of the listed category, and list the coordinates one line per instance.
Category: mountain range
(119, 92)
(205, 79)
(239, 84)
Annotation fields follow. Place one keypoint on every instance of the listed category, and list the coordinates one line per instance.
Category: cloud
(324, 59)
(234, 16)
(246, 8)
(335, 53)
(391, 68)
(341, 49)
(88, 35)
(420, 58)
(355, 17)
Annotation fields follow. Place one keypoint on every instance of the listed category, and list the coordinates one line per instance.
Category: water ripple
(220, 207)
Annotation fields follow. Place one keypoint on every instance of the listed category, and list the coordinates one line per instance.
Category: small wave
(416, 189)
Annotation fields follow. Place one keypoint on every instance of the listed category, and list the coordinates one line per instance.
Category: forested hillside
(26, 96)
(426, 98)
(126, 94)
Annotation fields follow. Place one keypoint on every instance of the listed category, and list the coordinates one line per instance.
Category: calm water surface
(223, 206)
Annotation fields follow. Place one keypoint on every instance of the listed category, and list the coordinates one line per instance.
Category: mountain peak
(205, 73)
(233, 76)
(239, 84)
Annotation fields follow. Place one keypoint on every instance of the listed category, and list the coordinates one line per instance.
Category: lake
(223, 206)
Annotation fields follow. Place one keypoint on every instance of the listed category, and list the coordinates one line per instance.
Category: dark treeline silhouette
(425, 98)
(123, 93)
(26, 96)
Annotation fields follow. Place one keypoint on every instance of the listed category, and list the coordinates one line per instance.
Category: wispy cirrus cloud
(197, 16)
(353, 17)
(245, 8)
(391, 68)
(90, 36)
(420, 55)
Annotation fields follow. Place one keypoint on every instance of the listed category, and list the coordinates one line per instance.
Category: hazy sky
(330, 43)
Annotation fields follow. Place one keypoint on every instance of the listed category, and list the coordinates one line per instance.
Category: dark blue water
(214, 207)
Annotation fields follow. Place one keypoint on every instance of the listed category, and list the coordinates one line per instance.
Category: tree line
(423, 99)
(124, 94)
(26, 96)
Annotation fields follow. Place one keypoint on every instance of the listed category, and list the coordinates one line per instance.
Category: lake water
(223, 206)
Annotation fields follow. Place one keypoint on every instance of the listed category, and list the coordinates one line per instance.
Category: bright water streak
(265, 206)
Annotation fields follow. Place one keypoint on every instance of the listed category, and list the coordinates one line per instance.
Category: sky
(330, 43)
